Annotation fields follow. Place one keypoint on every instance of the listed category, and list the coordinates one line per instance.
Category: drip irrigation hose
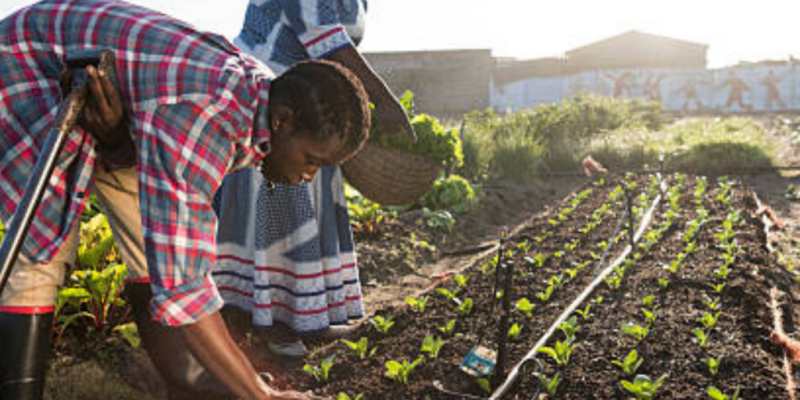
(514, 374)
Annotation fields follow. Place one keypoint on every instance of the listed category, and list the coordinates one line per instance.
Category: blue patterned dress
(288, 255)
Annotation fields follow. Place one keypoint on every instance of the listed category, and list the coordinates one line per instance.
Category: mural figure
(770, 83)
(689, 92)
(738, 87)
(622, 83)
(652, 86)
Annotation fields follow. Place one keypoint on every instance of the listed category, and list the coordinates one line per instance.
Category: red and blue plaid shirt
(193, 100)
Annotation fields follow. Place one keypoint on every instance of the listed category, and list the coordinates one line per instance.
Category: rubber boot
(24, 351)
(184, 376)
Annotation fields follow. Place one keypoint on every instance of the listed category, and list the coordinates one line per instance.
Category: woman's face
(295, 157)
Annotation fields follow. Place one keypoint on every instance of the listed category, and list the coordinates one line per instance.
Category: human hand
(392, 118)
(294, 395)
(104, 114)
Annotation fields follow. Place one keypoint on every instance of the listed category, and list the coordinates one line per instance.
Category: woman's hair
(327, 100)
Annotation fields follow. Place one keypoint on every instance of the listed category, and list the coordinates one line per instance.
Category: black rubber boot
(185, 377)
(24, 351)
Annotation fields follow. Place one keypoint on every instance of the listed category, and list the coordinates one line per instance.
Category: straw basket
(390, 177)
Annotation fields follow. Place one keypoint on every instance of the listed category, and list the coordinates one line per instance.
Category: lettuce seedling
(550, 385)
(401, 371)
(361, 348)
(417, 304)
(613, 281)
(630, 363)
(320, 373)
(713, 365)
(584, 313)
(713, 304)
(466, 307)
(709, 321)
(637, 331)
(485, 385)
(663, 283)
(448, 328)
(545, 296)
(461, 280)
(701, 337)
(381, 324)
(525, 307)
(514, 331)
(717, 394)
(569, 327)
(642, 387)
(571, 273)
(450, 295)
(649, 316)
(344, 396)
(560, 352)
(717, 288)
(431, 345)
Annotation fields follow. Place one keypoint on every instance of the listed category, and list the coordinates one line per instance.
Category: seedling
(713, 365)
(709, 321)
(514, 331)
(381, 324)
(584, 313)
(550, 385)
(344, 396)
(401, 371)
(642, 387)
(545, 296)
(450, 295)
(717, 288)
(525, 307)
(417, 304)
(466, 307)
(613, 281)
(629, 364)
(569, 327)
(448, 328)
(560, 352)
(717, 394)
(361, 348)
(321, 372)
(713, 304)
(431, 345)
(461, 280)
(485, 385)
(700, 337)
(663, 283)
(649, 316)
(637, 331)
(649, 301)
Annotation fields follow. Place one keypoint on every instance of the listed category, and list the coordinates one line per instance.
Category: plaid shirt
(193, 99)
(282, 33)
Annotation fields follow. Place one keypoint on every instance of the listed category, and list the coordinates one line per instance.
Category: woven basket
(390, 177)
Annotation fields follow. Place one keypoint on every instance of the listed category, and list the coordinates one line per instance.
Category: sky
(735, 30)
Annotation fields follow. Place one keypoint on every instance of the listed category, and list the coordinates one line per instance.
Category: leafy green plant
(400, 371)
(663, 283)
(717, 394)
(449, 294)
(637, 331)
(709, 320)
(630, 363)
(345, 396)
(449, 328)
(642, 387)
(98, 295)
(560, 352)
(585, 312)
(382, 324)
(431, 345)
(438, 220)
(514, 331)
(466, 307)
(485, 385)
(417, 304)
(361, 348)
(321, 372)
(713, 365)
(461, 280)
(525, 307)
(550, 385)
(569, 328)
(452, 193)
(700, 337)
(545, 295)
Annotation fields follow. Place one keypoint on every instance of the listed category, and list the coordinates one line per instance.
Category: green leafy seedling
(400, 371)
(630, 363)
(550, 385)
(637, 331)
(560, 352)
(642, 387)
(321, 372)
(361, 348)
(485, 385)
(448, 328)
(381, 324)
(514, 331)
(466, 307)
(569, 327)
(345, 396)
(709, 320)
(431, 345)
(585, 312)
(713, 365)
(417, 304)
(525, 307)
(700, 337)
(717, 394)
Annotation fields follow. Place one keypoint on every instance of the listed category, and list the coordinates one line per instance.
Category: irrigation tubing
(740, 169)
(514, 374)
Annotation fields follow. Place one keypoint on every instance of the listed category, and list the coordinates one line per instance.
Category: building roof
(634, 36)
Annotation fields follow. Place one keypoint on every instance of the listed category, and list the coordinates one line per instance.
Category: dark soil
(749, 361)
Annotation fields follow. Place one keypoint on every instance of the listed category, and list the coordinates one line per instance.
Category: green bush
(453, 193)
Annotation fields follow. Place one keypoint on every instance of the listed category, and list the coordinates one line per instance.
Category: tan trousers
(36, 284)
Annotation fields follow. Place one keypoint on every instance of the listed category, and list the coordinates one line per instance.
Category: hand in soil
(293, 395)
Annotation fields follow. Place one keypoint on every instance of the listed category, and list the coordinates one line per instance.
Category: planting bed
(700, 272)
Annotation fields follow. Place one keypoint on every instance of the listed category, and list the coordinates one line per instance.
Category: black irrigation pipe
(531, 356)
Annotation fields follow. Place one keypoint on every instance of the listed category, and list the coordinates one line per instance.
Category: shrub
(452, 193)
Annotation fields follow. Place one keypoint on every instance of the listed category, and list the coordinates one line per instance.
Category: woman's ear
(282, 119)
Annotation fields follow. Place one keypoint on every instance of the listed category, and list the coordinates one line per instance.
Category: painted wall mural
(757, 88)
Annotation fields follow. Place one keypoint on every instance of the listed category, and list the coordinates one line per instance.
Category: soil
(749, 361)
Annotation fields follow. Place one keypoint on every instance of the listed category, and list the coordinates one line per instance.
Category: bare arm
(392, 118)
